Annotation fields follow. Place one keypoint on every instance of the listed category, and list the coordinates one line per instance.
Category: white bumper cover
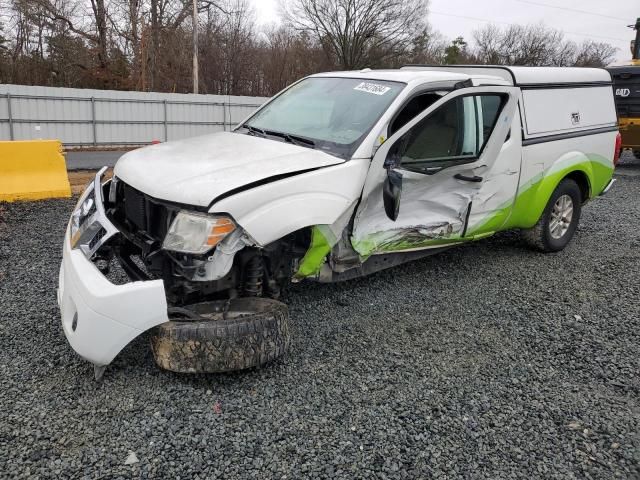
(108, 316)
(99, 318)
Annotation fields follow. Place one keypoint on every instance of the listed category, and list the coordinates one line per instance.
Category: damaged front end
(199, 256)
(128, 259)
(99, 317)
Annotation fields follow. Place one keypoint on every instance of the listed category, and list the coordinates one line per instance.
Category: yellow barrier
(32, 170)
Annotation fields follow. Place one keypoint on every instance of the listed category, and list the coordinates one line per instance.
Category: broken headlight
(85, 207)
(196, 233)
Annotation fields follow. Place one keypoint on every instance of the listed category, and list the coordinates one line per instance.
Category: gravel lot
(486, 361)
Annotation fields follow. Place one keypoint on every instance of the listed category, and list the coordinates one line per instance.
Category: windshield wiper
(288, 137)
(295, 139)
(254, 130)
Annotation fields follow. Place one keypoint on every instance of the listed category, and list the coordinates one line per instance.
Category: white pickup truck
(340, 175)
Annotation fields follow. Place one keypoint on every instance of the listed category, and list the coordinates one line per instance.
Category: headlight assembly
(85, 207)
(89, 227)
(196, 233)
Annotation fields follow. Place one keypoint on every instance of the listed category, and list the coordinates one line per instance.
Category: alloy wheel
(561, 215)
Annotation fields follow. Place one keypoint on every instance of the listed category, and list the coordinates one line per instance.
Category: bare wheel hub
(561, 215)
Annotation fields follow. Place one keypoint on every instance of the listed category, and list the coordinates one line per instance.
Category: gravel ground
(486, 361)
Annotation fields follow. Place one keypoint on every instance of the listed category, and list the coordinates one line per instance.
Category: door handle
(475, 178)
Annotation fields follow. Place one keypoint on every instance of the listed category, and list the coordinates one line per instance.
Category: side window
(414, 107)
(454, 133)
(490, 107)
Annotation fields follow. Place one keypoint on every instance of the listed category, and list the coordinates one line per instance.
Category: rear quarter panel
(545, 165)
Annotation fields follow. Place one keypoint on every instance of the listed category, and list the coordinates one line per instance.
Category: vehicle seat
(438, 137)
(414, 108)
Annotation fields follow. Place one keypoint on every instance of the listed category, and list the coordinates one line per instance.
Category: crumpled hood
(195, 171)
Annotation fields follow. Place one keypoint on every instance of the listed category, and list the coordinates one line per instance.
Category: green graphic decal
(523, 211)
(534, 196)
(315, 256)
(398, 240)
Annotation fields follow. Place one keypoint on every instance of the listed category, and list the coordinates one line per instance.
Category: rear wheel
(559, 220)
(222, 336)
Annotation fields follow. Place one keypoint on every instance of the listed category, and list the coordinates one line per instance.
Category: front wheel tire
(222, 336)
(558, 221)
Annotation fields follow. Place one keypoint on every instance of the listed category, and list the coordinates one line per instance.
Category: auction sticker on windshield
(374, 88)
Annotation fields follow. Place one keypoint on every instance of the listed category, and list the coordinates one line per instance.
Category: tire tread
(209, 346)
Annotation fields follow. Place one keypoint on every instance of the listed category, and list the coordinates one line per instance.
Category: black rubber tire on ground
(539, 236)
(636, 153)
(221, 336)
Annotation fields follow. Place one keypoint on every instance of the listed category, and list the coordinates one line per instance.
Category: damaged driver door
(437, 180)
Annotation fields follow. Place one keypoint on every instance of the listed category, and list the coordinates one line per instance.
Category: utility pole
(195, 46)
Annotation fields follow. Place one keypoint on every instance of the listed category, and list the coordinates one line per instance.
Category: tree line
(147, 45)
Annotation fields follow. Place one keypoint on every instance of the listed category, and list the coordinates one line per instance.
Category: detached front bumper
(99, 318)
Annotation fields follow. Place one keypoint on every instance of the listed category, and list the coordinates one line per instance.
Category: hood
(195, 171)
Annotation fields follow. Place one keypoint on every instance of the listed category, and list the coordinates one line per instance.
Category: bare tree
(518, 45)
(427, 47)
(285, 56)
(127, 20)
(595, 54)
(71, 15)
(3, 40)
(100, 17)
(147, 44)
(359, 33)
(537, 45)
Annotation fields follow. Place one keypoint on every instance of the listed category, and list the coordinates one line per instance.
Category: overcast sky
(606, 21)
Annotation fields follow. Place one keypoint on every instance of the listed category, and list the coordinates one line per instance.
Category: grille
(145, 213)
(135, 207)
(98, 236)
(628, 82)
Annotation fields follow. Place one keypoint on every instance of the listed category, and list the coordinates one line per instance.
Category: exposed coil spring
(253, 277)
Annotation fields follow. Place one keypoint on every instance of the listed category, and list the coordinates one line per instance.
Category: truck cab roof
(516, 76)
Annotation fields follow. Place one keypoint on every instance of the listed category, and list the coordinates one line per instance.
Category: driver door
(442, 167)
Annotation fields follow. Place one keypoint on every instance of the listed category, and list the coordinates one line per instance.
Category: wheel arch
(582, 179)
(530, 203)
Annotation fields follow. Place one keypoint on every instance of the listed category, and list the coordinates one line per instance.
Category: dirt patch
(79, 179)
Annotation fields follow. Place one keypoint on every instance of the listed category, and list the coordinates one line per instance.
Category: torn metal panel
(219, 264)
(323, 239)
(343, 256)
(373, 264)
(432, 210)
(437, 209)
(334, 232)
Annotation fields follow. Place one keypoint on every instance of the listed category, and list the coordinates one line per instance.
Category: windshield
(331, 114)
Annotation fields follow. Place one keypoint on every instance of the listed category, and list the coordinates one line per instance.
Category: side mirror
(391, 192)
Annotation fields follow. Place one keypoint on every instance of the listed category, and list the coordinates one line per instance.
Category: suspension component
(253, 274)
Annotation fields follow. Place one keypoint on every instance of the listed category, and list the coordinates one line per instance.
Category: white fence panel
(84, 117)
